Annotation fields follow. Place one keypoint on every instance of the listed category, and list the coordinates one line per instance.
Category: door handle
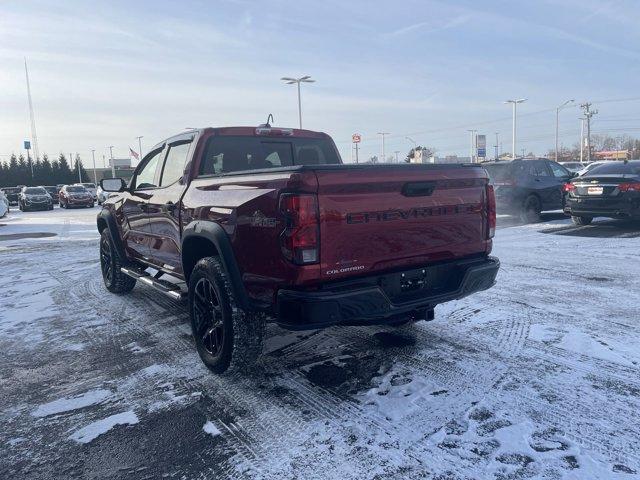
(169, 207)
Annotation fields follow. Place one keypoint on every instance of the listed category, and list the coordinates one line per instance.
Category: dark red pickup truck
(267, 224)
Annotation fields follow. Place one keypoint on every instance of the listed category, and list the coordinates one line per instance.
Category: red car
(75, 196)
(267, 224)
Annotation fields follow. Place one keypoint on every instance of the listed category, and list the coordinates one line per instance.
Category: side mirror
(574, 174)
(113, 185)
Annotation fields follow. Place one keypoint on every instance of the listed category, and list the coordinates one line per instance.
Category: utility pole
(113, 167)
(383, 134)
(588, 113)
(95, 175)
(513, 138)
(581, 139)
(558, 108)
(397, 152)
(140, 147)
(356, 153)
(472, 144)
(496, 145)
(523, 153)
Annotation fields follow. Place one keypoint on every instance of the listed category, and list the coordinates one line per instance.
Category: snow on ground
(536, 378)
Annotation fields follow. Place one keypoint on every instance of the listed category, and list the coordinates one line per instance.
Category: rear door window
(175, 162)
(539, 169)
(558, 170)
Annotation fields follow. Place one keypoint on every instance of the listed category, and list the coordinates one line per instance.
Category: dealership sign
(481, 145)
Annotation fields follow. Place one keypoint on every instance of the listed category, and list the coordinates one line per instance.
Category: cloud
(454, 22)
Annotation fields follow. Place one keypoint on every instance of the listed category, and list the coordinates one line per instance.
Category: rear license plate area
(409, 285)
(595, 190)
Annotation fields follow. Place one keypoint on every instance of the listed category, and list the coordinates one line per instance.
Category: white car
(590, 167)
(4, 204)
(573, 166)
(91, 188)
(101, 195)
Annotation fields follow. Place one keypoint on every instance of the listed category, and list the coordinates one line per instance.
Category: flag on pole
(133, 154)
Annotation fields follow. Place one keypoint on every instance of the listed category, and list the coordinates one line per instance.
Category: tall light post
(558, 108)
(140, 147)
(513, 140)
(496, 145)
(95, 175)
(113, 167)
(298, 81)
(383, 134)
(472, 134)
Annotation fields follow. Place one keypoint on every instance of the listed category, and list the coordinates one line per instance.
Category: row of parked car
(530, 186)
(45, 197)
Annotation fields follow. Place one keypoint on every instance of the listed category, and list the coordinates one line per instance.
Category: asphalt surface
(536, 378)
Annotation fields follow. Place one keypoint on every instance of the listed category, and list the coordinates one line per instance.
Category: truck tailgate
(376, 218)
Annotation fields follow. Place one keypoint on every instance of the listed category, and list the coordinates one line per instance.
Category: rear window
(226, 154)
(616, 168)
(35, 191)
(76, 188)
(88, 185)
(498, 172)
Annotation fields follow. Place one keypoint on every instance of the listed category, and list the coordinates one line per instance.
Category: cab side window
(146, 177)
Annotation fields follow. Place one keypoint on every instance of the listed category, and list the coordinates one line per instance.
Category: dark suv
(527, 187)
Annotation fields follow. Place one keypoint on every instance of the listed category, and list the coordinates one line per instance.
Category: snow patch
(97, 428)
(67, 404)
(211, 429)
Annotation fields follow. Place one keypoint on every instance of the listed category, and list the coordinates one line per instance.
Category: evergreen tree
(4, 174)
(37, 172)
(13, 170)
(65, 173)
(55, 172)
(23, 173)
(46, 172)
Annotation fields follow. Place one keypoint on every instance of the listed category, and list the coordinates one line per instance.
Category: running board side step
(170, 289)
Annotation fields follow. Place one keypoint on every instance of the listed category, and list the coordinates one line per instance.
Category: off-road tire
(582, 220)
(531, 209)
(242, 332)
(116, 281)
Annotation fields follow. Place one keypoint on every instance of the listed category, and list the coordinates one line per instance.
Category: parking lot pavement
(536, 378)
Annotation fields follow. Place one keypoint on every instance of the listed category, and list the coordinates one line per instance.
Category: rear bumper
(603, 207)
(367, 302)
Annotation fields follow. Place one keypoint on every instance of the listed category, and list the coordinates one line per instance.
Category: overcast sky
(103, 73)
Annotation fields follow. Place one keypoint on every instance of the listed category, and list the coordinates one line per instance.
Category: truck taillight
(300, 240)
(491, 211)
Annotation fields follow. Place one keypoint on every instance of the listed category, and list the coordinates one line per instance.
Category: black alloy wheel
(208, 320)
(106, 262)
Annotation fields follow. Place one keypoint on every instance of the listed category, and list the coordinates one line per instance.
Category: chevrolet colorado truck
(262, 224)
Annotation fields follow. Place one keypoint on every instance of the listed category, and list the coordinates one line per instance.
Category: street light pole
(496, 145)
(383, 134)
(513, 139)
(140, 147)
(560, 107)
(298, 81)
(95, 175)
(113, 167)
